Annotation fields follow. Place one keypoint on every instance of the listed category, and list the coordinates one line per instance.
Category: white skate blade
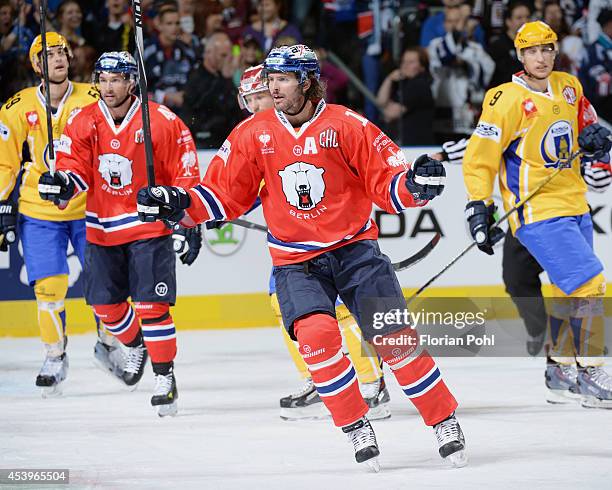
(51, 391)
(557, 397)
(169, 410)
(316, 411)
(380, 412)
(589, 401)
(458, 459)
(373, 465)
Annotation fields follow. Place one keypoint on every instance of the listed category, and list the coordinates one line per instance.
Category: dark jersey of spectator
(167, 69)
(596, 75)
(268, 43)
(210, 107)
(114, 37)
(506, 62)
(434, 27)
(417, 122)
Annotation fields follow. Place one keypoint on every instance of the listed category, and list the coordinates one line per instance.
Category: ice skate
(54, 370)
(363, 438)
(135, 361)
(595, 387)
(377, 397)
(305, 404)
(165, 395)
(110, 358)
(560, 382)
(451, 442)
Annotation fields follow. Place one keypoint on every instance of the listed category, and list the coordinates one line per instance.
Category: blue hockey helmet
(298, 59)
(116, 62)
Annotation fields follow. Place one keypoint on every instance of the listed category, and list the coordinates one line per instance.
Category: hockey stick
(505, 217)
(144, 97)
(43, 36)
(397, 266)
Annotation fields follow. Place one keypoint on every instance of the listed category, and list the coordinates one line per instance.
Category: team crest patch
(303, 185)
(116, 170)
(529, 108)
(569, 94)
(556, 143)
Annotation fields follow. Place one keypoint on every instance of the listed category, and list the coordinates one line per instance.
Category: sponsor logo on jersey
(32, 118)
(266, 142)
(529, 108)
(396, 158)
(116, 170)
(381, 142)
(569, 94)
(167, 113)
(328, 138)
(297, 150)
(226, 240)
(189, 162)
(303, 185)
(161, 289)
(73, 114)
(5, 132)
(488, 131)
(224, 152)
(115, 144)
(64, 144)
(139, 136)
(557, 143)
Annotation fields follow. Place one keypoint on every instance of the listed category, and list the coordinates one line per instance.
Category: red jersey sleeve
(75, 153)
(586, 113)
(382, 166)
(232, 180)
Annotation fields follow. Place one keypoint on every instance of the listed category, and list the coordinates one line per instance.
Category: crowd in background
(426, 65)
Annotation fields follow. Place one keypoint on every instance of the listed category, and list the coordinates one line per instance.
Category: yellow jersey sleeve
(494, 132)
(13, 133)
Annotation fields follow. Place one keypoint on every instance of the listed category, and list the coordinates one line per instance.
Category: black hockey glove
(595, 141)
(8, 224)
(57, 188)
(480, 218)
(188, 241)
(162, 202)
(453, 151)
(425, 178)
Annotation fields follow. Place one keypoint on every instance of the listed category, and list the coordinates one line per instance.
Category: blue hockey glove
(8, 224)
(480, 218)
(162, 202)
(595, 141)
(188, 242)
(425, 178)
(57, 188)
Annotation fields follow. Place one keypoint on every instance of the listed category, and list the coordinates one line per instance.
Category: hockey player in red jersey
(101, 152)
(323, 167)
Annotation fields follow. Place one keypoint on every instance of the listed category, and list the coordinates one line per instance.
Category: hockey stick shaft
(45, 72)
(144, 96)
(501, 220)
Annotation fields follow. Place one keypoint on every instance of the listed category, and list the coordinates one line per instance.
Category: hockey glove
(425, 178)
(57, 188)
(188, 242)
(480, 218)
(595, 141)
(453, 151)
(597, 175)
(8, 224)
(163, 203)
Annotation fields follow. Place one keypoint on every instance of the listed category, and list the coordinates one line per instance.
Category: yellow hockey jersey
(24, 119)
(521, 137)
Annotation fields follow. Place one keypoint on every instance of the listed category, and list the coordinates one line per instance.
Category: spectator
(250, 55)
(433, 26)
(273, 25)
(571, 48)
(502, 48)
(593, 26)
(235, 15)
(407, 100)
(211, 109)
(186, 9)
(15, 37)
(82, 63)
(596, 69)
(336, 81)
(168, 60)
(116, 32)
(461, 70)
(69, 17)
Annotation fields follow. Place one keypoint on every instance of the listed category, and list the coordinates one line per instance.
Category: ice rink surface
(228, 434)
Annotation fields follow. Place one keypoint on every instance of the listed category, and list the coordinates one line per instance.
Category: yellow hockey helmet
(534, 34)
(53, 39)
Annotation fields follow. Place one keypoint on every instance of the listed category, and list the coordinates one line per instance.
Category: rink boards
(227, 286)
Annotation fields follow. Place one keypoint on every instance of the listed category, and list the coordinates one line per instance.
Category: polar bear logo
(116, 170)
(303, 185)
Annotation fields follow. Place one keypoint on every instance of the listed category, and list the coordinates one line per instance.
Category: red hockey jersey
(319, 180)
(108, 162)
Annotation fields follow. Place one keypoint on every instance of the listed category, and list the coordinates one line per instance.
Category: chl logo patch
(161, 289)
(303, 185)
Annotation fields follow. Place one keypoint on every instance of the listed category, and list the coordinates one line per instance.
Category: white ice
(228, 434)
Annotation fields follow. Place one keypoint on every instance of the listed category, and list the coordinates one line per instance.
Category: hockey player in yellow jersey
(529, 127)
(45, 231)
